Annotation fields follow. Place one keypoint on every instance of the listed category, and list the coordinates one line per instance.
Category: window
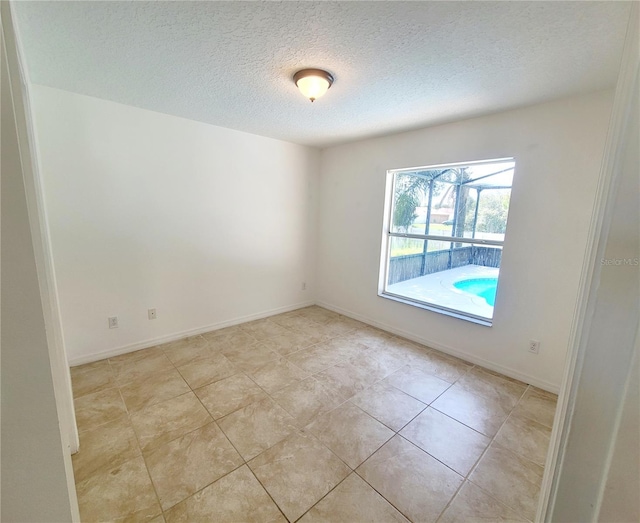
(444, 231)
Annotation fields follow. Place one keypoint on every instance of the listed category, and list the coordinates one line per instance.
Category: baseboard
(124, 349)
(471, 358)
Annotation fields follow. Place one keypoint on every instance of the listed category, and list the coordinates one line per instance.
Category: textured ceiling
(398, 65)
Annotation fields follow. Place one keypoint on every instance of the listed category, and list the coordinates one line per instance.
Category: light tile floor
(307, 416)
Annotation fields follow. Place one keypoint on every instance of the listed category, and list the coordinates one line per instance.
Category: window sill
(485, 322)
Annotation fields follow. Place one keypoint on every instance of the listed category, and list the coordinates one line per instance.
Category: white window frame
(385, 255)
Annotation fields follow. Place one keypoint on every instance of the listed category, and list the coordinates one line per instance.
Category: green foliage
(412, 191)
(470, 208)
(492, 216)
(404, 211)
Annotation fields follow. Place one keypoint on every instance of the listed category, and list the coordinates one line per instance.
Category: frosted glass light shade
(313, 83)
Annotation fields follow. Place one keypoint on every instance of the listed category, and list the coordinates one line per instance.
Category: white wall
(558, 149)
(37, 478)
(209, 226)
(596, 422)
(620, 501)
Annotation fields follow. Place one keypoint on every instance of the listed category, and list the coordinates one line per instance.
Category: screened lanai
(449, 218)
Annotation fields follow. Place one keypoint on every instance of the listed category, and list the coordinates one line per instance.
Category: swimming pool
(485, 288)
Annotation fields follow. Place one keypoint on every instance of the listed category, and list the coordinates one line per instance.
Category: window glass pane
(408, 259)
(460, 202)
(456, 276)
(410, 195)
(493, 208)
(452, 210)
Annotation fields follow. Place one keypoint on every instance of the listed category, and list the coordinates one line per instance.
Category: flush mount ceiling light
(313, 83)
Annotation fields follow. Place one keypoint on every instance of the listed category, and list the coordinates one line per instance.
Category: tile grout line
(163, 511)
(265, 489)
(128, 413)
(142, 454)
(346, 335)
(378, 492)
(483, 454)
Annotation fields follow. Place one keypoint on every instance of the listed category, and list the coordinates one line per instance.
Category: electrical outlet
(304, 285)
(152, 314)
(113, 322)
(534, 346)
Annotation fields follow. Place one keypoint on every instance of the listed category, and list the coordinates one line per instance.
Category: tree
(412, 190)
(494, 207)
(404, 211)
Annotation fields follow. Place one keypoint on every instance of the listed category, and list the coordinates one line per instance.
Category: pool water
(483, 287)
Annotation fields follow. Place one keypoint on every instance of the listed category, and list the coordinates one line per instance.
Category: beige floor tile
(98, 408)
(304, 311)
(370, 337)
(257, 427)
(417, 383)
(249, 359)
(392, 359)
(153, 389)
(186, 350)
(416, 484)
(106, 446)
(510, 479)
(168, 420)
(318, 314)
(506, 391)
(230, 341)
(353, 501)
(209, 370)
(500, 375)
(440, 365)
(447, 440)
(486, 415)
(235, 498)
(312, 328)
(389, 405)
(405, 348)
(296, 322)
(339, 327)
(408, 349)
(345, 348)
(316, 358)
(538, 405)
(92, 377)
(310, 361)
(288, 314)
(350, 433)
(230, 394)
(224, 331)
(297, 472)
(263, 329)
(123, 493)
(132, 357)
(307, 399)
(525, 437)
(139, 364)
(473, 505)
(349, 322)
(277, 375)
(193, 461)
(292, 341)
(352, 376)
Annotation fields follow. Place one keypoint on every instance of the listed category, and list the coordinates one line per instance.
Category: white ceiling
(397, 65)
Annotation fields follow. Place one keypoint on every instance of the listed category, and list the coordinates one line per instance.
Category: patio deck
(438, 289)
